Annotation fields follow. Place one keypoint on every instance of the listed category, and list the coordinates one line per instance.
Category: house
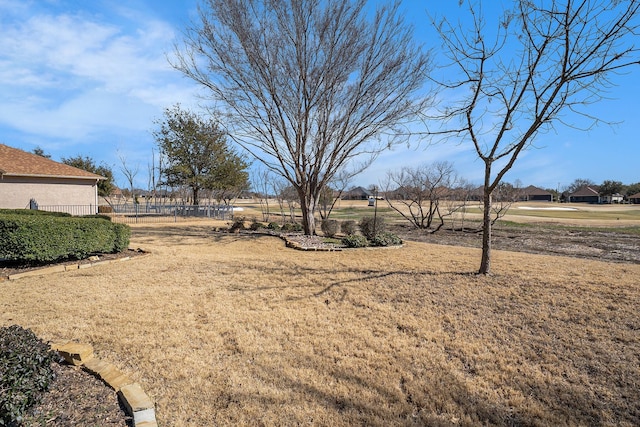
(356, 193)
(635, 198)
(613, 198)
(535, 194)
(28, 180)
(586, 194)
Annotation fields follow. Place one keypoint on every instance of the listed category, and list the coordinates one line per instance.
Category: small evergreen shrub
(348, 227)
(25, 372)
(238, 224)
(123, 236)
(355, 241)
(273, 226)
(370, 226)
(330, 227)
(386, 239)
(292, 227)
(255, 225)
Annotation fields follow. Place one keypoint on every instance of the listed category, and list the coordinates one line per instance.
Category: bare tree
(129, 174)
(261, 184)
(333, 191)
(309, 86)
(548, 60)
(416, 193)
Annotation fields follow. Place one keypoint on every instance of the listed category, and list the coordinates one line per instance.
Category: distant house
(635, 199)
(535, 194)
(613, 198)
(586, 194)
(27, 180)
(356, 193)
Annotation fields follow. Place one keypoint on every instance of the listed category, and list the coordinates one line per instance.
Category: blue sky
(90, 77)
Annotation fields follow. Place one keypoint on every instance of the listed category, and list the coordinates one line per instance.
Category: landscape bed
(231, 329)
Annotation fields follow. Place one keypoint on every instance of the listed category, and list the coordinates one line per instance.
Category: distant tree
(129, 173)
(309, 85)
(40, 152)
(609, 188)
(416, 193)
(196, 154)
(332, 192)
(543, 61)
(578, 184)
(504, 196)
(105, 186)
(633, 189)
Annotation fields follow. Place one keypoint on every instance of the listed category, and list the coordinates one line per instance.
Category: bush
(370, 226)
(25, 372)
(386, 239)
(46, 238)
(238, 224)
(122, 237)
(348, 227)
(32, 212)
(330, 227)
(355, 241)
(255, 225)
(292, 227)
(273, 226)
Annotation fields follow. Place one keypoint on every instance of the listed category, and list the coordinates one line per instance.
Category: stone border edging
(137, 403)
(69, 267)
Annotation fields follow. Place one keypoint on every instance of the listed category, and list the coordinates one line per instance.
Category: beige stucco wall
(16, 192)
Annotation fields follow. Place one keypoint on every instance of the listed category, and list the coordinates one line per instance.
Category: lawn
(239, 330)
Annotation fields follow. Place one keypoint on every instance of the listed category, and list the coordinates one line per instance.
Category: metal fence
(140, 214)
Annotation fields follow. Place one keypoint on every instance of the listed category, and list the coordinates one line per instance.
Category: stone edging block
(138, 404)
(62, 268)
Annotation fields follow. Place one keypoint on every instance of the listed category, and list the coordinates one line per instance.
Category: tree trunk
(196, 200)
(308, 205)
(308, 218)
(485, 263)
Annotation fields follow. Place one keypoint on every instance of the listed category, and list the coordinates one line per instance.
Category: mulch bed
(76, 398)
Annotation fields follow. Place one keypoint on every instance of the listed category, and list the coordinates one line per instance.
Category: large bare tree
(308, 85)
(544, 61)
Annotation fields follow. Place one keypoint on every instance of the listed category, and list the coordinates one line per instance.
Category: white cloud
(71, 75)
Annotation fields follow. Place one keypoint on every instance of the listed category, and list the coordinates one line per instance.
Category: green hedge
(25, 372)
(46, 238)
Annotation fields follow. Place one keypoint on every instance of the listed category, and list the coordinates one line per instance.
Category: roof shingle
(15, 162)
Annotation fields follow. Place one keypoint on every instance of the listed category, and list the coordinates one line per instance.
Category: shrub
(355, 241)
(122, 237)
(273, 226)
(348, 227)
(386, 239)
(32, 212)
(255, 225)
(46, 238)
(25, 372)
(330, 227)
(238, 224)
(370, 226)
(105, 209)
(293, 227)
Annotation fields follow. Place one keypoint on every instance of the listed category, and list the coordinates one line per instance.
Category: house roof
(635, 196)
(15, 162)
(586, 191)
(535, 191)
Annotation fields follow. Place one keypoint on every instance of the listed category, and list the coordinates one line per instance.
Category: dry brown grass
(238, 330)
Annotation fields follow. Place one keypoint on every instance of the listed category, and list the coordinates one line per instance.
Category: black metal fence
(140, 214)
